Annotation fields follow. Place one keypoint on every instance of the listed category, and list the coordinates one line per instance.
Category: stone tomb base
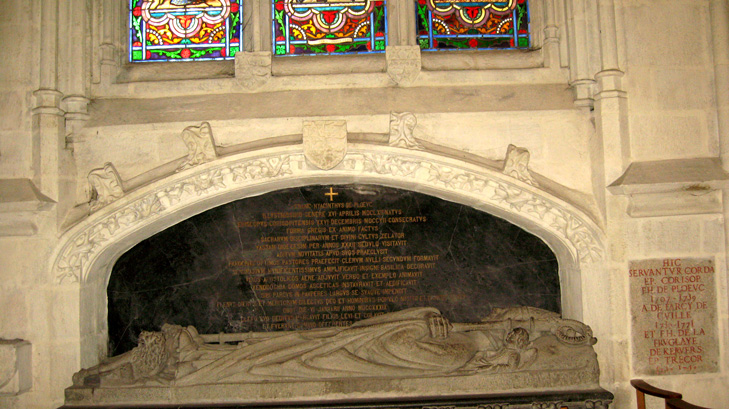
(578, 399)
(569, 389)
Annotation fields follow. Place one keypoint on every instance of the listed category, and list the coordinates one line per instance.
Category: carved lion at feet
(145, 362)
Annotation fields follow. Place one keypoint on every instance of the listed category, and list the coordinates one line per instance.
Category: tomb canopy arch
(87, 252)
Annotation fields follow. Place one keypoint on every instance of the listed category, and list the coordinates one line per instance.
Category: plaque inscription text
(673, 305)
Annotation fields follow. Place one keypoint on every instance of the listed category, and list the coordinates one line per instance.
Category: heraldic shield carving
(325, 143)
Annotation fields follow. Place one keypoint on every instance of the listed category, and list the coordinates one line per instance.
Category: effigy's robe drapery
(390, 345)
(405, 353)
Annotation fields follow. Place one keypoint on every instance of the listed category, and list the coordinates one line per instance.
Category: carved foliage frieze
(84, 244)
(514, 197)
(77, 254)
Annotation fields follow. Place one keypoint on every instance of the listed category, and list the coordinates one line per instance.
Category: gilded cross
(331, 194)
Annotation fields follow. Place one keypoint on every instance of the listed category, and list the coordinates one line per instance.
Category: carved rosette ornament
(106, 186)
(403, 63)
(200, 145)
(325, 143)
(83, 245)
(253, 69)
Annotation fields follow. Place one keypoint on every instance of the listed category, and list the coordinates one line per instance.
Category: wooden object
(643, 388)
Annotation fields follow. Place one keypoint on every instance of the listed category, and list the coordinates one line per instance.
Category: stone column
(108, 39)
(401, 22)
(257, 25)
(610, 152)
(581, 80)
(611, 100)
(74, 63)
(551, 35)
(47, 116)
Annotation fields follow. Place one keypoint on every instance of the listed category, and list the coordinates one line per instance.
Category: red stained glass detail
(164, 30)
(325, 27)
(488, 24)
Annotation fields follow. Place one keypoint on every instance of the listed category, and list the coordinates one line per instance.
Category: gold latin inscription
(333, 263)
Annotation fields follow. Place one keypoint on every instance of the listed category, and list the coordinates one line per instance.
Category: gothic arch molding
(86, 252)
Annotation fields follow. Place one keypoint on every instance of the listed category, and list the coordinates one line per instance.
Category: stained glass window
(472, 24)
(184, 30)
(328, 26)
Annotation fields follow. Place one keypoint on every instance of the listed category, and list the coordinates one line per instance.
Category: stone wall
(614, 106)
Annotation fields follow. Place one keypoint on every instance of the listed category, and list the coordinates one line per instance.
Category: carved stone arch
(86, 253)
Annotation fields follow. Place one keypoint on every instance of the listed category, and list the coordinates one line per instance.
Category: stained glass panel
(472, 24)
(303, 27)
(184, 30)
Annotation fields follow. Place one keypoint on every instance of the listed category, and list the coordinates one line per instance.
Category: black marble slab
(326, 255)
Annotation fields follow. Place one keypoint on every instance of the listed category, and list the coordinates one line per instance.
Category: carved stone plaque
(673, 305)
(325, 142)
(322, 256)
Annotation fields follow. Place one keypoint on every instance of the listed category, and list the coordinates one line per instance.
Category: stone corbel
(584, 92)
(200, 144)
(108, 65)
(253, 69)
(672, 187)
(516, 165)
(402, 126)
(77, 113)
(106, 186)
(403, 63)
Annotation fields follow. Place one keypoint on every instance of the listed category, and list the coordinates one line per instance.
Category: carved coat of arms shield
(325, 143)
